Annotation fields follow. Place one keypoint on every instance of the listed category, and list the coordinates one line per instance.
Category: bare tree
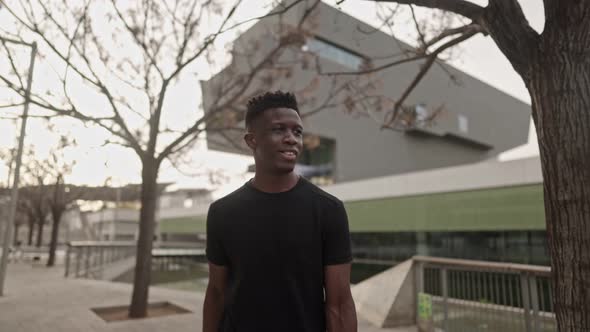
(60, 196)
(33, 200)
(19, 221)
(127, 57)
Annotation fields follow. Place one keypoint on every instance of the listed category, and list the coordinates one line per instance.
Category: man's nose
(290, 138)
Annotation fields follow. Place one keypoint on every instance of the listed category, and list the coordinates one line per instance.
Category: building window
(463, 123)
(421, 113)
(316, 161)
(334, 53)
(188, 203)
(165, 202)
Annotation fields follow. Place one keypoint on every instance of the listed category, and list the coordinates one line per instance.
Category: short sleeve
(215, 250)
(336, 236)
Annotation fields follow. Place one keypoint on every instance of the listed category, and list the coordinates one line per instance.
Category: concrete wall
(490, 174)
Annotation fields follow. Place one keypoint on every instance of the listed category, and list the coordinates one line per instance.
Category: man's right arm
(214, 298)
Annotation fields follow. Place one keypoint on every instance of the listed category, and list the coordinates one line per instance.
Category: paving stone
(42, 299)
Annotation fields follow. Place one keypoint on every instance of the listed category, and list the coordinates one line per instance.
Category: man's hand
(340, 310)
(214, 298)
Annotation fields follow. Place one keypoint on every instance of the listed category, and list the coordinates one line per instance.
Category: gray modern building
(474, 121)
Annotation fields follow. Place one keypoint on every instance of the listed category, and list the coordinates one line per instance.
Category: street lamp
(14, 191)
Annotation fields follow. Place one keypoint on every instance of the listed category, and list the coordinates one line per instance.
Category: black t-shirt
(275, 246)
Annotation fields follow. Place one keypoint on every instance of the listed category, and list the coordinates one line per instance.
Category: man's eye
(298, 132)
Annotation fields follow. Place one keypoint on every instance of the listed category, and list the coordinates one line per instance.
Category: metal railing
(467, 295)
(88, 258)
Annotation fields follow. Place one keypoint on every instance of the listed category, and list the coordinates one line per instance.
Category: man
(278, 247)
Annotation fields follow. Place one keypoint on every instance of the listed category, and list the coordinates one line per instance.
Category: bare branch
(307, 12)
(175, 19)
(424, 69)
(193, 130)
(507, 25)
(12, 64)
(461, 7)
(208, 41)
(117, 118)
(334, 92)
(196, 134)
(189, 29)
(12, 105)
(385, 21)
(281, 11)
(29, 13)
(98, 83)
(51, 45)
(139, 42)
(38, 101)
(417, 25)
(244, 85)
(375, 69)
(504, 20)
(449, 32)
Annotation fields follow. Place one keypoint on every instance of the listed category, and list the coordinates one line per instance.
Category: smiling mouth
(289, 154)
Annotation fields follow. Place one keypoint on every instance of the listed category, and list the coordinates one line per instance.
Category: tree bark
(149, 192)
(560, 93)
(40, 226)
(31, 225)
(15, 237)
(54, 237)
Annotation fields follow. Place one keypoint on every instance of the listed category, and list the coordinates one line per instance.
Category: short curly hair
(277, 99)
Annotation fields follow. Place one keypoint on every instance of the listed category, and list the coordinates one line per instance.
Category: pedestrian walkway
(41, 299)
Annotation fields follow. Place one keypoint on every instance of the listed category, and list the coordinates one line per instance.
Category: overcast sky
(479, 57)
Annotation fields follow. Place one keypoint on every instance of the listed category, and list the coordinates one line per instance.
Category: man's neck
(271, 183)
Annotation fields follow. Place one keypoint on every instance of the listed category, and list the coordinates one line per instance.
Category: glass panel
(334, 53)
(316, 161)
(395, 247)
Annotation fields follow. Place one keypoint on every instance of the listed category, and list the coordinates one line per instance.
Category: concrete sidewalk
(41, 299)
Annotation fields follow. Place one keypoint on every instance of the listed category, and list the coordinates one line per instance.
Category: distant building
(433, 189)
(478, 122)
(121, 223)
(112, 224)
(180, 211)
(490, 210)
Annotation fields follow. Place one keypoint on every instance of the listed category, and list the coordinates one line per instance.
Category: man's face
(276, 140)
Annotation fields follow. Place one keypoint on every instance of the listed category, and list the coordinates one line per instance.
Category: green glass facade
(497, 209)
(496, 224)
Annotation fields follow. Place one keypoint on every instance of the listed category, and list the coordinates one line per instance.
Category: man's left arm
(340, 310)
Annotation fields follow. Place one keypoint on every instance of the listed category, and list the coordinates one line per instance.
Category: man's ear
(250, 140)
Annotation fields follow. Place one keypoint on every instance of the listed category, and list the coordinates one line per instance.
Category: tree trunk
(15, 239)
(143, 263)
(560, 91)
(40, 226)
(54, 237)
(31, 225)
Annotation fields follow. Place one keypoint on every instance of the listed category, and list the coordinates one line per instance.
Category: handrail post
(419, 273)
(524, 288)
(87, 262)
(445, 293)
(534, 303)
(68, 247)
(78, 262)
(101, 261)
(423, 323)
(101, 257)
